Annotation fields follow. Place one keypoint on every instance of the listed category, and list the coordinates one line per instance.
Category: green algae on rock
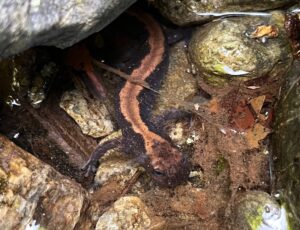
(256, 210)
(241, 48)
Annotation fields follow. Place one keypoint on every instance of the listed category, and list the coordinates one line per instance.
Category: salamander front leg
(173, 114)
(91, 164)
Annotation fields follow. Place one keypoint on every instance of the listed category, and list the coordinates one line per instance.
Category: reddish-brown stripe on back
(129, 104)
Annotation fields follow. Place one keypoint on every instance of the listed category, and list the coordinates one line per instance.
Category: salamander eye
(158, 173)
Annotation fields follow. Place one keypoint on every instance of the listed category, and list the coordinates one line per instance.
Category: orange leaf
(257, 104)
(269, 31)
(256, 134)
(242, 116)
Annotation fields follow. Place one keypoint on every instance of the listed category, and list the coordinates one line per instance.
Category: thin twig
(124, 75)
(131, 182)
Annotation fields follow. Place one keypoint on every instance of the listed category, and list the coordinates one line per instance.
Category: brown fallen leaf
(255, 135)
(257, 104)
(242, 117)
(214, 106)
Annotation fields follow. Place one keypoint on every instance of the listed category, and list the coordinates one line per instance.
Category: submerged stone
(192, 11)
(126, 213)
(286, 145)
(241, 48)
(257, 210)
(33, 195)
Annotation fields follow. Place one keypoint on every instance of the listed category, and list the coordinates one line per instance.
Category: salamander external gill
(141, 137)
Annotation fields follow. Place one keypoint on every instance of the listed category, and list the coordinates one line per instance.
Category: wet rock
(25, 23)
(115, 165)
(295, 9)
(177, 133)
(292, 25)
(178, 89)
(286, 145)
(241, 48)
(126, 213)
(28, 76)
(179, 83)
(34, 194)
(257, 210)
(41, 84)
(179, 86)
(91, 115)
(193, 11)
(15, 77)
(116, 168)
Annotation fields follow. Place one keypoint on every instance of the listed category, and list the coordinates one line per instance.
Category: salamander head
(169, 167)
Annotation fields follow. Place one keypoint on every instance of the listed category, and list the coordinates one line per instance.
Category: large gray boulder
(60, 23)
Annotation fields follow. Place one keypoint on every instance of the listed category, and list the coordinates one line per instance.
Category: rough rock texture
(61, 23)
(115, 165)
(258, 210)
(185, 12)
(230, 48)
(34, 194)
(92, 116)
(126, 213)
(179, 83)
(286, 145)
